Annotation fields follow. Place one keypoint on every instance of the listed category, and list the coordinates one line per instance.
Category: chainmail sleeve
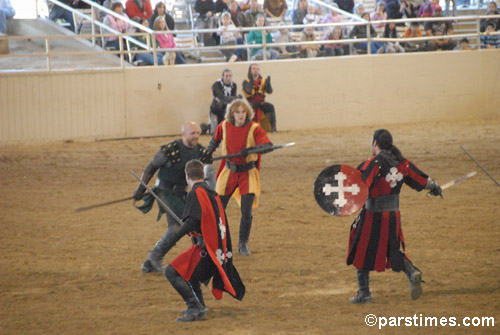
(158, 161)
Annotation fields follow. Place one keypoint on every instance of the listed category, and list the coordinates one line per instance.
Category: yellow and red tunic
(234, 140)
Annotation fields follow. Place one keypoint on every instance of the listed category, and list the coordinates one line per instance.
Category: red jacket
(133, 9)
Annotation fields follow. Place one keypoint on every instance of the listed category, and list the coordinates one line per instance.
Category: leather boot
(195, 310)
(245, 226)
(153, 263)
(199, 294)
(364, 296)
(415, 277)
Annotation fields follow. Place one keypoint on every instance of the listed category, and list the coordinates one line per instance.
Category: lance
(256, 150)
(161, 202)
(482, 168)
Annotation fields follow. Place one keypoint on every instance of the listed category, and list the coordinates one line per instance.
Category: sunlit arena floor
(64, 272)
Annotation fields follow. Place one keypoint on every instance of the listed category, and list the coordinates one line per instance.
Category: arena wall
(318, 93)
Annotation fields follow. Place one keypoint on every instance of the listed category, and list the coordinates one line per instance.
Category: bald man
(170, 185)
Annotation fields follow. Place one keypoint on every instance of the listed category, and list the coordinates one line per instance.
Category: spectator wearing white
(229, 36)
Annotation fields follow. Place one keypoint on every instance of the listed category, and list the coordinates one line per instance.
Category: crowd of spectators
(227, 17)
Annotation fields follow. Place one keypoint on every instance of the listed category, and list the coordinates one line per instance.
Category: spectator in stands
(117, 24)
(107, 4)
(359, 9)
(282, 35)
(447, 7)
(379, 14)
(464, 45)
(492, 10)
(139, 9)
(256, 37)
(147, 58)
(206, 20)
(428, 8)
(161, 10)
(275, 8)
(224, 92)
(6, 12)
(252, 13)
(392, 7)
(439, 28)
(311, 17)
(408, 10)
(414, 31)
(236, 14)
(489, 41)
(57, 12)
(229, 36)
(335, 49)
(244, 5)
(308, 50)
(390, 31)
(300, 13)
(221, 6)
(345, 5)
(166, 41)
(333, 16)
(359, 31)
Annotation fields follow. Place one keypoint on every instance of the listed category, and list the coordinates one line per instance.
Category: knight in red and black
(376, 235)
(255, 88)
(238, 177)
(210, 256)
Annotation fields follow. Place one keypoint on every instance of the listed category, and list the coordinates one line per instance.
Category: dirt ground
(63, 272)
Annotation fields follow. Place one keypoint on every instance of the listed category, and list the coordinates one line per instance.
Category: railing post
(264, 44)
(120, 43)
(153, 44)
(47, 50)
(93, 25)
(368, 36)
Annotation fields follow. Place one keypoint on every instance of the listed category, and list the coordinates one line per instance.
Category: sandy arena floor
(63, 272)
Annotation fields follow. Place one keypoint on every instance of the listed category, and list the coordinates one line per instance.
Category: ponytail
(384, 142)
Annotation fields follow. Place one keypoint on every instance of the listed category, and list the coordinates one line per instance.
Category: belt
(383, 203)
(239, 168)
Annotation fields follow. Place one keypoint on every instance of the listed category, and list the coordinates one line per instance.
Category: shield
(339, 190)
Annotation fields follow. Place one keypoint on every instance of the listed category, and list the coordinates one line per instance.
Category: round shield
(339, 190)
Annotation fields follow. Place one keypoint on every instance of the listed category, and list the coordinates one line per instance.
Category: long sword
(453, 182)
(81, 209)
(482, 168)
(161, 202)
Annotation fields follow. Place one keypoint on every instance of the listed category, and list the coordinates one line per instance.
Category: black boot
(199, 294)
(415, 277)
(153, 263)
(364, 296)
(245, 226)
(195, 310)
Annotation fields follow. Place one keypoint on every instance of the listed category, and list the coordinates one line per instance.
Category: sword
(81, 209)
(453, 182)
(255, 150)
(161, 202)
(482, 168)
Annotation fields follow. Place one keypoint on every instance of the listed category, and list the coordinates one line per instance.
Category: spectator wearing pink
(117, 24)
(428, 8)
(139, 9)
(379, 14)
(166, 40)
(333, 16)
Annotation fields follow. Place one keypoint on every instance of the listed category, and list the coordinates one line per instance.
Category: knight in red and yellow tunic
(376, 235)
(238, 177)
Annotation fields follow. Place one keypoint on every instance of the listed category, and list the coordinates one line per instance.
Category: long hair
(156, 24)
(384, 142)
(390, 33)
(231, 108)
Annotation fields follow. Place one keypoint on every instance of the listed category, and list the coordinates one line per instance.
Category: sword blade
(274, 147)
(453, 182)
(81, 209)
(161, 202)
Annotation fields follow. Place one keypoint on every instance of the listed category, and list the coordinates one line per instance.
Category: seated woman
(390, 31)
(117, 24)
(166, 41)
(359, 31)
(161, 10)
(256, 37)
(379, 14)
(147, 58)
(283, 36)
(335, 49)
(228, 36)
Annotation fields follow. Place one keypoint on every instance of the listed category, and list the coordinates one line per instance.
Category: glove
(244, 153)
(207, 157)
(267, 86)
(434, 188)
(139, 193)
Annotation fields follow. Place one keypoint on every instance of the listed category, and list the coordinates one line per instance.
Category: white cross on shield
(341, 189)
